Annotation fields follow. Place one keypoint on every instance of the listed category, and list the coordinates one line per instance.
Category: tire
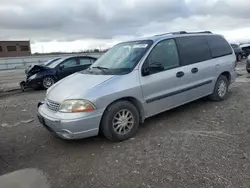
(46, 80)
(248, 71)
(110, 126)
(219, 93)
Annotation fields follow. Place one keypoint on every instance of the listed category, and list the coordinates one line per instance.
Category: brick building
(14, 48)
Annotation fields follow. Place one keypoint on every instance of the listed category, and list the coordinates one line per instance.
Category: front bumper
(37, 82)
(70, 125)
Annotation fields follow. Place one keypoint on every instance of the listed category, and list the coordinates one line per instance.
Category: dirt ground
(201, 144)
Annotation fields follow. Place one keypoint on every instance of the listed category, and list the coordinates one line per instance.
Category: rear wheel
(120, 121)
(220, 89)
(248, 71)
(47, 82)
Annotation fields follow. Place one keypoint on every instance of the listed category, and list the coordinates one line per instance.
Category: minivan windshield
(121, 59)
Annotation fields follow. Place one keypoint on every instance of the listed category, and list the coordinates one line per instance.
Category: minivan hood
(75, 86)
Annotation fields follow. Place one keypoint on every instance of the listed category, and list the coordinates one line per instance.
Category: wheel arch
(227, 75)
(135, 102)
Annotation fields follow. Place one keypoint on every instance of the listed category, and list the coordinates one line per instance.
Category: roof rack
(184, 32)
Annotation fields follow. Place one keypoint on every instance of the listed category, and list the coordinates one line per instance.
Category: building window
(24, 48)
(1, 48)
(11, 48)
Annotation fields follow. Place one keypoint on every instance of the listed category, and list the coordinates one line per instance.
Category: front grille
(52, 105)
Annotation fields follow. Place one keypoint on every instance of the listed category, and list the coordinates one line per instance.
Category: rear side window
(193, 49)
(219, 46)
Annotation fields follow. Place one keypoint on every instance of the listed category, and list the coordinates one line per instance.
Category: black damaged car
(44, 76)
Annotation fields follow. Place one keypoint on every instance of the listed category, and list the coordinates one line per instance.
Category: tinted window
(84, 61)
(193, 49)
(219, 46)
(69, 63)
(164, 56)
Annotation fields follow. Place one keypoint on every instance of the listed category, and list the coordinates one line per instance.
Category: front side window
(69, 63)
(164, 56)
(121, 59)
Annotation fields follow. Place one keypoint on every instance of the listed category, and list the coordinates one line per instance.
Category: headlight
(73, 106)
(32, 77)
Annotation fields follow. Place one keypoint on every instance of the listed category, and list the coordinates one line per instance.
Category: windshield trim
(149, 42)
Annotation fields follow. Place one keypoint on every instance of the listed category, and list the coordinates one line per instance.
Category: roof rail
(209, 32)
(183, 32)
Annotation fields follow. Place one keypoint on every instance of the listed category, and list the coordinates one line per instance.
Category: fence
(24, 62)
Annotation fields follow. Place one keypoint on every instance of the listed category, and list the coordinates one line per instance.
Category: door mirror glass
(145, 71)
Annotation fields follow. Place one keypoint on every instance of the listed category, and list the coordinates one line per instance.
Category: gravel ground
(201, 144)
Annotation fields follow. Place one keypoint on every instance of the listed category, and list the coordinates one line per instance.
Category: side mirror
(152, 68)
(145, 71)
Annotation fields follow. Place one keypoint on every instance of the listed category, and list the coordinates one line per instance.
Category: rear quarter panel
(227, 64)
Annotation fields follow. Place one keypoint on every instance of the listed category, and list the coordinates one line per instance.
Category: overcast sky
(63, 25)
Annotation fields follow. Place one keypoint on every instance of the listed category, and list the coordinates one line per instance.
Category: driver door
(67, 67)
(162, 83)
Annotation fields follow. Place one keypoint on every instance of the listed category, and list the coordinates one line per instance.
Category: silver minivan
(138, 79)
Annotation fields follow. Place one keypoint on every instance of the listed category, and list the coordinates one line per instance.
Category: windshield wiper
(103, 69)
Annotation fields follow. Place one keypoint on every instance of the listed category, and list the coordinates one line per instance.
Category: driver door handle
(180, 74)
(194, 70)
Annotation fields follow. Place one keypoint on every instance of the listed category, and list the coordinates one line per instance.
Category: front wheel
(220, 89)
(47, 82)
(120, 121)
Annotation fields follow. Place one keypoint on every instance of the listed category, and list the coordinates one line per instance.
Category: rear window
(219, 46)
(193, 49)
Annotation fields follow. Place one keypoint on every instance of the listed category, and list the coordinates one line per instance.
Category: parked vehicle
(248, 65)
(46, 75)
(47, 63)
(246, 49)
(136, 80)
(238, 51)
